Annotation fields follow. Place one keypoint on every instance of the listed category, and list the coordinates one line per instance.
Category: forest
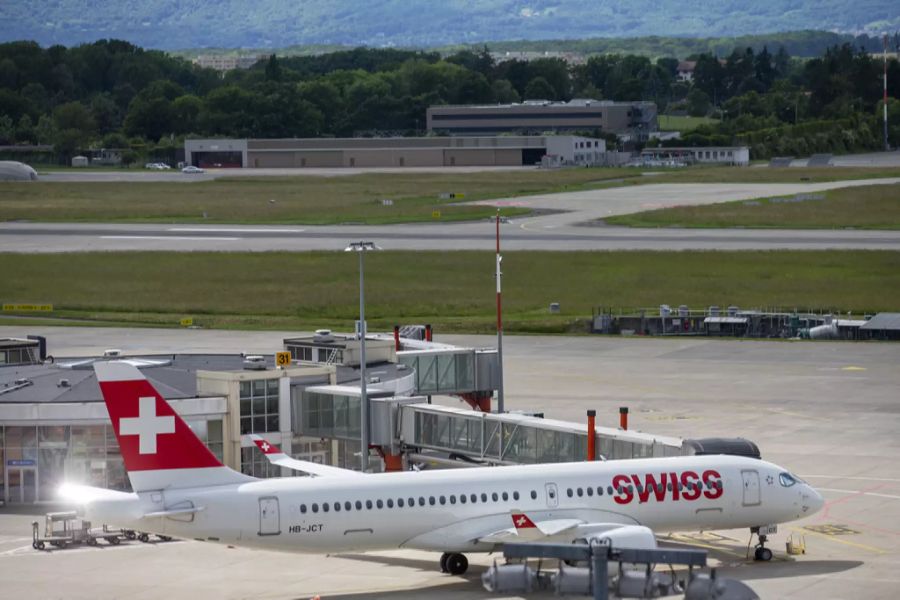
(113, 94)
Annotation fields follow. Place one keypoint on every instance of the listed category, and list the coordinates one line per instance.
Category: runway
(564, 222)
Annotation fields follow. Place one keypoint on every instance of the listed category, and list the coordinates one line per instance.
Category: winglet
(267, 448)
(521, 521)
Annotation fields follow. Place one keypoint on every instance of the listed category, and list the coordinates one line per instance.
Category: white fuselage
(450, 510)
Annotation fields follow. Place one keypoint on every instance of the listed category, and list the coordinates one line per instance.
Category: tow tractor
(62, 529)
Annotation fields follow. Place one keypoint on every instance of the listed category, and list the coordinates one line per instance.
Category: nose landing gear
(761, 553)
(454, 563)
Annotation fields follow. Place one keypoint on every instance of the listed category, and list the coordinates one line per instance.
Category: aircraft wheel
(457, 564)
(39, 545)
(144, 537)
(763, 554)
(444, 558)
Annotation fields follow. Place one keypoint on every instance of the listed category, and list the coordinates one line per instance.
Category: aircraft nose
(812, 500)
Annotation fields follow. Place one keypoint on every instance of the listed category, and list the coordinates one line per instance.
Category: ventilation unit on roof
(63, 383)
(323, 335)
(112, 352)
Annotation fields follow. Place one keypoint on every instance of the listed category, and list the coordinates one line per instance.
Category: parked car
(192, 169)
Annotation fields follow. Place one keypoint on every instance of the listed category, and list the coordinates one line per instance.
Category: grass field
(454, 291)
(295, 200)
(865, 207)
(683, 123)
(353, 199)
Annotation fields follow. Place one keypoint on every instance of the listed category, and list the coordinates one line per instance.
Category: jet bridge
(511, 438)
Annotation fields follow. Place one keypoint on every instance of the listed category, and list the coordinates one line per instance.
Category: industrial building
(507, 151)
(738, 156)
(634, 121)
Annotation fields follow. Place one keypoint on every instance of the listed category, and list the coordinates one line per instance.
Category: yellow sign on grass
(187, 322)
(27, 308)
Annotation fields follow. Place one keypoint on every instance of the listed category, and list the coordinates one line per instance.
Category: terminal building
(396, 152)
(54, 426)
(632, 120)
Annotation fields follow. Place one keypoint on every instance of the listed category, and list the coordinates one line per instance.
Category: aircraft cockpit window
(786, 479)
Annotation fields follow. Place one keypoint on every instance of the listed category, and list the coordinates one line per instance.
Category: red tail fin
(158, 447)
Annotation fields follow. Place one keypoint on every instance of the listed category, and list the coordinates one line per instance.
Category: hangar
(506, 151)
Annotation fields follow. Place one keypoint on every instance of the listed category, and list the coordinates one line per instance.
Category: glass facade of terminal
(35, 460)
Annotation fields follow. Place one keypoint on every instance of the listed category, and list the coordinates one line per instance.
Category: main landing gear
(761, 553)
(454, 563)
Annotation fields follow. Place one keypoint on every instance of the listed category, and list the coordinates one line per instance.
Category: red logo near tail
(151, 434)
(521, 521)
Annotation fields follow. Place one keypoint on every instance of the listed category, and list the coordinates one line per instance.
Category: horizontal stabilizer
(173, 512)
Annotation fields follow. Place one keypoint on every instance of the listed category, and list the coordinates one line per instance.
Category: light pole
(361, 248)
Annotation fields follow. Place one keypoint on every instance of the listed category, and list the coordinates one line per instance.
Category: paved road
(564, 227)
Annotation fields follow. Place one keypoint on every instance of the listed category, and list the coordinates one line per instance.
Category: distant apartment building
(631, 120)
(223, 62)
(572, 58)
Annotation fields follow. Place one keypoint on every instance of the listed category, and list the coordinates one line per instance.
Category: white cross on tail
(147, 425)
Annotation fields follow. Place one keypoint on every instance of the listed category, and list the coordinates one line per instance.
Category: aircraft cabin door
(751, 487)
(552, 495)
(269, 517)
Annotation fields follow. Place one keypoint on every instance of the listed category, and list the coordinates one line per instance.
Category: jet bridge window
(786, 479)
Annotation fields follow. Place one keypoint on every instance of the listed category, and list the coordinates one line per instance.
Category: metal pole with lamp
(361, 248)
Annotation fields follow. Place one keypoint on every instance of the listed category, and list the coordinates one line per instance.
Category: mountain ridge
(169, 24)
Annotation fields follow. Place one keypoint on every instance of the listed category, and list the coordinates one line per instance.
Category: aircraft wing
(277, 457)
(524, 529)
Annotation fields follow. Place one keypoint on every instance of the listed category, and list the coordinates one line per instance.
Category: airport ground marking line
(873, 549)
(849, 478)
(857, 492)
(683, 539)
(232, 230)
(170, 237)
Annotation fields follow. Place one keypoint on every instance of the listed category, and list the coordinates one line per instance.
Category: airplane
(182, 490)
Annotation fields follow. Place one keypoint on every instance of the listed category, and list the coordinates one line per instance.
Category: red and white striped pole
(499, 323)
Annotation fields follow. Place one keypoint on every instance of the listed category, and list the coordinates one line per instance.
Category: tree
(25, 130)
(105, 112)
(709, 76)
(539, 89)
(45, 130)
(7, 130)
(150, 118)
(698, 103)
(273, 69)
(74, 116)
(186, 110)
